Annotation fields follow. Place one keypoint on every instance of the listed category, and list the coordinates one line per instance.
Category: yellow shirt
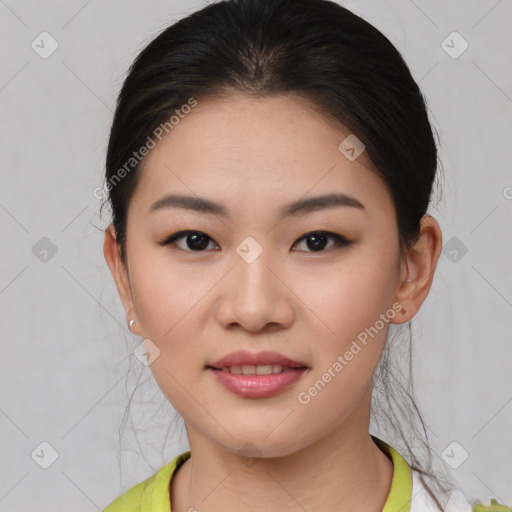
(152, 495)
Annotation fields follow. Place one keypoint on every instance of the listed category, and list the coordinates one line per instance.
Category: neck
(343, 471)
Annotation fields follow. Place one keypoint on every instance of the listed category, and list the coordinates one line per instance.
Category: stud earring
(130, 324)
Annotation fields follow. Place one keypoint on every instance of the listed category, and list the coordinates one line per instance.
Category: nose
(256, 295)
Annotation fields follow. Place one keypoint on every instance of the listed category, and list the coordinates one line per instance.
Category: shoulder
(130, 501)
(151, 494)
(421, 501)
(494, 506)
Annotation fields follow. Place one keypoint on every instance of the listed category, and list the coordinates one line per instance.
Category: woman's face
(251, 281)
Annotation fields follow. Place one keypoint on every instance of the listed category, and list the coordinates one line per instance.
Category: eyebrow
(300, 207)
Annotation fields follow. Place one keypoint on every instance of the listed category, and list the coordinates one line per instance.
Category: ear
(417, 270)
(120, 274)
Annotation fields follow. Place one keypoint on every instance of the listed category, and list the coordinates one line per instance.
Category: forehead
(242, 148)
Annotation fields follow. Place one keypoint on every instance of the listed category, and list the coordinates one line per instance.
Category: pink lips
(257, 386)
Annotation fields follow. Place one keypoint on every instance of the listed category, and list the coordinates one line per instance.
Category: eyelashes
(197, 236)
(200, 241)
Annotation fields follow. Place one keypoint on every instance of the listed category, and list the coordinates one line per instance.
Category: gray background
(65, 345)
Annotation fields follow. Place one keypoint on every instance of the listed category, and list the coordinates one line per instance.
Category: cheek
(345, 299)
(165, 295)
(171, 302)
(168, 305)
(350, 339)
(350, 306)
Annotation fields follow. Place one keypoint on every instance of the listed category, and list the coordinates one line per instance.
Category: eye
(196, 240)
(317, 240)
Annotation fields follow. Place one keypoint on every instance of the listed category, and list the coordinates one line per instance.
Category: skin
(253, 156)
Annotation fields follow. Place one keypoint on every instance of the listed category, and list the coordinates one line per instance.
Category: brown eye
(317, 240)
(196, 241)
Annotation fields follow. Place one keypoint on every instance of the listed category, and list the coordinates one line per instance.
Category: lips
(245, 358)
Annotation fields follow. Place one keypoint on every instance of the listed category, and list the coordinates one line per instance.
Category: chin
(261, 445)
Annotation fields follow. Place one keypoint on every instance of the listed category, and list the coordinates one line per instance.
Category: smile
(251, 369)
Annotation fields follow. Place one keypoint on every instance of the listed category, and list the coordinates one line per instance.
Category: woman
(269, 169)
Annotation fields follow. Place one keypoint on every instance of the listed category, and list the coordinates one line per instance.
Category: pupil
(316, 244)
(195, 237)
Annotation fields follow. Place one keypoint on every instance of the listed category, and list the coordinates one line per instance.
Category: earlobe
(418, 268)
(118, 270)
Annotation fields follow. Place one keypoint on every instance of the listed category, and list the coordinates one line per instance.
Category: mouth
(260, 375)
(264, 369)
